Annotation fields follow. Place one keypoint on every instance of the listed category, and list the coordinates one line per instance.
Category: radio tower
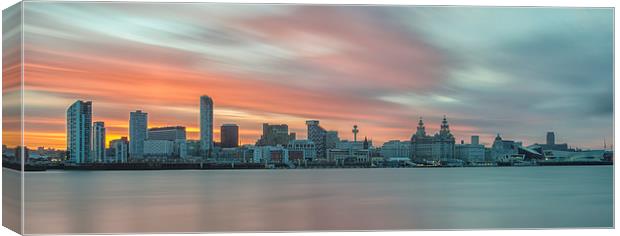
(355, 131)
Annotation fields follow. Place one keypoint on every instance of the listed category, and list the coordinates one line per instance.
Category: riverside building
(439, 147)
(79, 128)
(138, 123)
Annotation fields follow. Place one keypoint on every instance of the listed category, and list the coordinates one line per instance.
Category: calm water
(319, 199)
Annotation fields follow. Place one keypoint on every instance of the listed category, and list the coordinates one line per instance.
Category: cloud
(508, 70)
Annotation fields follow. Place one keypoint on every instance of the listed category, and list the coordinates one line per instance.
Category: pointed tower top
(445, 128)
(420, 129)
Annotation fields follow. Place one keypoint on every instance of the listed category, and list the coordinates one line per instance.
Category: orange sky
(379, 68)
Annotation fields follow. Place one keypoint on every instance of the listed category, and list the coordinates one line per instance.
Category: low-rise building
(349, 155)
(396, 149)
(158, 148)
(119, 149)
(305, 147)
(192, 148)
(472, 152)
(270, 154)
(502, 149)
(231, 155)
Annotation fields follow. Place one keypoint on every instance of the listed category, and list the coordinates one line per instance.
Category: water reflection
(327, 199)
(11, 199)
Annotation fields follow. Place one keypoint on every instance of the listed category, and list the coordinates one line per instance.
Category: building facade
(550, 138)
(274, 135)
(138, 123)
(439, 147)
(354, 145)
(322, 139)
(469, 152)
(306, 148)
(551, 145)
(229, 135)
(348, 156)
(394, 149)
(331, 139)
(270, 155)
(170, 133)
(175, 134)
(475, 139)
(18, 153)
(503, 149)
(158, 148)
(317, 135)
(206, 124)
(99, 141)
(120, 150)
(79, 128)
(421, 143)
(192, 148)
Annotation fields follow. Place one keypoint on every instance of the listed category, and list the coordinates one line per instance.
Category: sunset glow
(530, 71)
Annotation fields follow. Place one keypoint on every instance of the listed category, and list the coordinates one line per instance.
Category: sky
(519, 72)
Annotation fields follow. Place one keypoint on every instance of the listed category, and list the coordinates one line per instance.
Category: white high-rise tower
(206, 123)
(138, 123)
(79, 128)
(98, 141)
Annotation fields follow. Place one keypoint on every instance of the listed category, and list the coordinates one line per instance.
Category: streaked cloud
(515, 71)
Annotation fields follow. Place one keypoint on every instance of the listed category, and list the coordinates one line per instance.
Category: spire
(421, 130)
(445, 128)
(365, 142)
(498, 138)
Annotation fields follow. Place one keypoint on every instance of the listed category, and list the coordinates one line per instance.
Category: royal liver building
(439, 147)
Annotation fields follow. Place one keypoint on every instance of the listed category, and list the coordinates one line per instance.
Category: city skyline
(380, 68)
(550, 135)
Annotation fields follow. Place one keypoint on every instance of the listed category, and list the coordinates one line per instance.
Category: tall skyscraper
(138, 123)
(206, 124)
(550, 138)
(229, 135)
(551, 145)
(98, 141)
(475, 139)
(318, 136)
(79, 128)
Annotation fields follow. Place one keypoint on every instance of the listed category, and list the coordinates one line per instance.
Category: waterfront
(318, 199)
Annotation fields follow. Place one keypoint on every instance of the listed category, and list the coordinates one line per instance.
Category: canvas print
(142, 117)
